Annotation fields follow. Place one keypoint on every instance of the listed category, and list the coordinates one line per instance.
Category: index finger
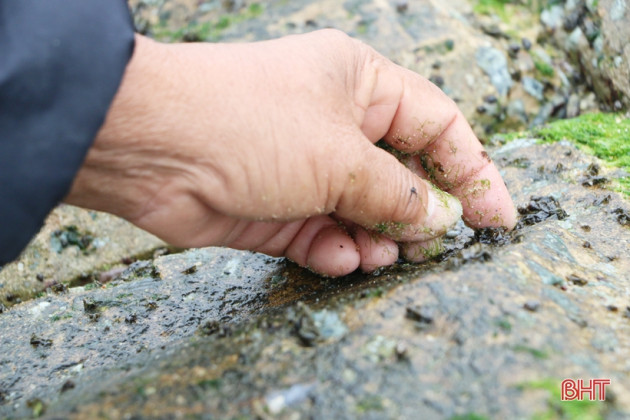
(429, 126)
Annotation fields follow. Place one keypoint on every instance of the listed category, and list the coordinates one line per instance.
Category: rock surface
(488, 330)
(491, 329)
(596, 36)
(491, 64)
(471, 57)
(75, 245)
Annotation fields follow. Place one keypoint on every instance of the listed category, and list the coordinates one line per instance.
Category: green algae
(490, 7)
(544, 69)
(606, 136)
(391, 228)
(537, 353)
(208, 30)
(433, 249)
(468, 416)
(558, 409)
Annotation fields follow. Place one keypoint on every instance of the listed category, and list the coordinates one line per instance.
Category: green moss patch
(208, 30)
(490, 7)
(468, 416)
(558, 409)
(606, 136)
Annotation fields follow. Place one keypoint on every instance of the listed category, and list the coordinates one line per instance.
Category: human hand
(269, 147)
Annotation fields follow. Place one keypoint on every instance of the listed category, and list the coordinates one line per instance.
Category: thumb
(383, 195)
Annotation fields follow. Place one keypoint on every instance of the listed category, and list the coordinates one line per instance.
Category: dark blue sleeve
(61, 62)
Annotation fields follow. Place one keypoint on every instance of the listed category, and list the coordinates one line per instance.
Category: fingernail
(443, 211)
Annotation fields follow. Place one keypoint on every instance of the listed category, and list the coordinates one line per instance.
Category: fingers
(386, 197)
(375, 250)
(326, 247)
(333, 252)
(429, 125)
(422, 251)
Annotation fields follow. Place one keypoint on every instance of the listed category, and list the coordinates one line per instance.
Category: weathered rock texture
(596, 35)
(501, 78)
(74, 244)
(491, 330)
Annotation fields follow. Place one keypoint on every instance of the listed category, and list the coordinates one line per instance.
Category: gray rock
(573, 106)
(219, 333)
(494, 64)
(618, 10)
(618, 61)
(92, 241)
(533, 87)
(516, 109)
(543, 115)
(406, 343)
(576, 40)
(605, 27)
(552, 17)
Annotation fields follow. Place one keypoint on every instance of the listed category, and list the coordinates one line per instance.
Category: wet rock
(402, 6)
(92, 240)
(37, 341)
(214, 327)
(313, 327)
(68, 385)
(437, 80)
(592, 178)
(532, 305)
(380, 367)
(493, 236)
(144, 269)
(540, 209)
(577, 280)
(132, 318)
(494, 64)
(421, 313)
(513, 49)
(623, 216)
(380, 362)
(277, 401)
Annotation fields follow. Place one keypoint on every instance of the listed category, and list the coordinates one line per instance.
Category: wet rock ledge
(490, 330)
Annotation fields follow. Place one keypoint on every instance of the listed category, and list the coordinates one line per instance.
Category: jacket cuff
(62, 63)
